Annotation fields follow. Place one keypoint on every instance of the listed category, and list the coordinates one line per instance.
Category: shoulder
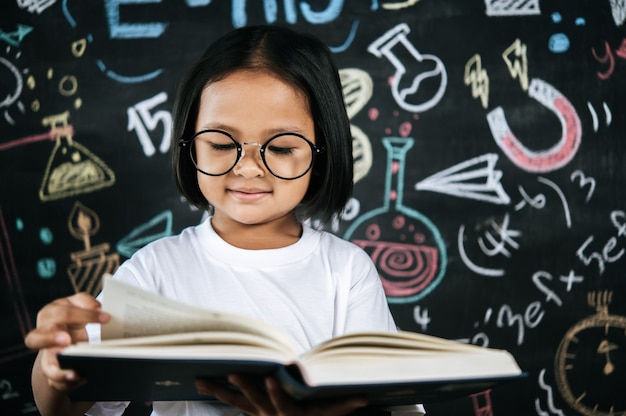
(188, 236)
(330, 241)
(162, 257)
(342, 252)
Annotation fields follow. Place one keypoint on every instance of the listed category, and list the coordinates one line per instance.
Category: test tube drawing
(410, 76)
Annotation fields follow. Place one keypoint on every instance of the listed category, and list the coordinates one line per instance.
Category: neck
(276, 234)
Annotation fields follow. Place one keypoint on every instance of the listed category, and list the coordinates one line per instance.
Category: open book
(154, 348)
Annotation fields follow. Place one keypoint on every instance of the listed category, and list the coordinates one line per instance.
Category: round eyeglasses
(286, 155)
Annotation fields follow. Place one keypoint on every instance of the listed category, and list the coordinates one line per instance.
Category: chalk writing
(608, 115)
(607, 254)
(583, 181)
(550, 295)
(119, 30)
(485, 271)
(609, 59)
(533, 314)
(141, 120)
(421, 317)
(498, 243)
(549, 398)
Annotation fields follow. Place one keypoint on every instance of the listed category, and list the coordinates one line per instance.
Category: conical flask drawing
(71, 168)
(405, 245)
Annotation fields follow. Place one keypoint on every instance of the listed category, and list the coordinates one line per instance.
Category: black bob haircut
(305, 63)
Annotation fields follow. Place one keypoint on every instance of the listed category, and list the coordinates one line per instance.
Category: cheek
(207, 185)
(299, 188)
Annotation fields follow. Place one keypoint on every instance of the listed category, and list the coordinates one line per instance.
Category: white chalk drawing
(475, 178)
(141, 120)
(618, 10)
(512, 7)
(404, 84)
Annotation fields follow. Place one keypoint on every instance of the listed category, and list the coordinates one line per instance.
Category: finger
(40, 338)
(60, 379)
(225, 395)
(345, 407)
(281, 401)
(253, 393)
(76, 310)
(206, 387)
(84, 300)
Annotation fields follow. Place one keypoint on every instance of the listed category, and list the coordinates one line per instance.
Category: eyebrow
(266, 133)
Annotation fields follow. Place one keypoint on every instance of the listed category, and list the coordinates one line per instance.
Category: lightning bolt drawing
(517, 62)
(476, 77)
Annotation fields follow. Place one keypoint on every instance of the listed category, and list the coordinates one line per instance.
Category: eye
(222, 147)
(280, 150)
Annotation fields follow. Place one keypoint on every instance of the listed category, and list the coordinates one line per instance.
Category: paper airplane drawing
(475, 178)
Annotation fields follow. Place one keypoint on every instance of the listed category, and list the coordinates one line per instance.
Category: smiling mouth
(248, 195)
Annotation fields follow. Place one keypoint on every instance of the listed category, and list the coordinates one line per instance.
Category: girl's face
(253, 107)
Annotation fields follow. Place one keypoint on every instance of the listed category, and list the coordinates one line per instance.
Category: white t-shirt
(315, 289)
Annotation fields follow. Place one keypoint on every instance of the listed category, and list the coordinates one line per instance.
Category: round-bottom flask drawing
(406, 247)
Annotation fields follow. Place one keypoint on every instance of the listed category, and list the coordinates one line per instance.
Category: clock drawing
(590, 363)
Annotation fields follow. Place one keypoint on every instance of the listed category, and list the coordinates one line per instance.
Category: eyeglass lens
(286, 156)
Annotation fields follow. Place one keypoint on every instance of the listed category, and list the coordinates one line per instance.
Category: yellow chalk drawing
(79, 47)
(71, 169)
(357, 88)
(589, 367)
(91, 263)
(476, 77)
(517, 62)
(399, 5)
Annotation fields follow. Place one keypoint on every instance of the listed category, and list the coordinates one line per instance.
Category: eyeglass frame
(315, 151)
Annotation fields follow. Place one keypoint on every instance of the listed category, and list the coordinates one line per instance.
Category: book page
(365, 367)
(189, 345)
(136, 313)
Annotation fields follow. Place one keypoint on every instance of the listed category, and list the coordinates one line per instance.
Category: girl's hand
(59, 324)
(273, 401)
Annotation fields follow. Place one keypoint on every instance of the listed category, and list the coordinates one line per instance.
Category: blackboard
(489, 149)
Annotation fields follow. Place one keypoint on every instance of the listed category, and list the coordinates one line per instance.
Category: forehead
(257, 100)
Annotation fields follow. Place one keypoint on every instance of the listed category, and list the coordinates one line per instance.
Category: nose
(248, 165)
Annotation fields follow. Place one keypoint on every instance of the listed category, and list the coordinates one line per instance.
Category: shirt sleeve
(368, 309)
(367, 305)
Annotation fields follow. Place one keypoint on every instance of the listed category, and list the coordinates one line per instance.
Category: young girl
(264, 144)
